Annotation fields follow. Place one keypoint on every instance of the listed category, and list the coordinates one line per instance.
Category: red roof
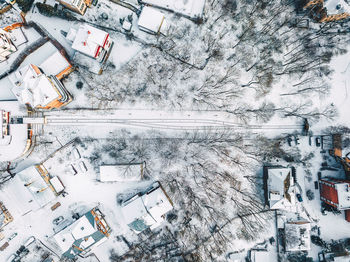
(328, 193)
(347, 215)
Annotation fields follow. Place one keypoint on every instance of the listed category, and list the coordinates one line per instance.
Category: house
(121, 172)
(78, 6)
(297, 236)
(328, 10)
(152, 21)
(146, 209)
(33, 188)
(6, 45)
(336, 193)
(37, 90)
(280, 191)
(91, 41)
(15, 136)
(192, 9)
(80, 237)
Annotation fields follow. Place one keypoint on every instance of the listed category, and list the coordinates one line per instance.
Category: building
(6, 45)
(336, 193)
(80, 237)
(192, 9)
(280, 191)
(146, 209)
(121, 172)
(78, 6)
(33, 188)
(91, 41)
(37, 90)
(152, 21)
(297, 236)
(340, 150)
(15, 136)
(328, 10)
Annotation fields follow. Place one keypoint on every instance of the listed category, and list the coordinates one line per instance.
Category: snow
(121, 173)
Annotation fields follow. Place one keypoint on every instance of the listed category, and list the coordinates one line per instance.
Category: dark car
(300, 199)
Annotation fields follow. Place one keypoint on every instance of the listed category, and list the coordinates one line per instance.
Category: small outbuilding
(297, 236)
(152, 21)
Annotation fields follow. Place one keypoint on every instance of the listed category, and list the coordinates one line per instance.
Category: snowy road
(153, 119)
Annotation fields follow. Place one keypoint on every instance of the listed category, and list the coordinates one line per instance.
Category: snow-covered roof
(343, 191)
(259, 256)
(281, 188)
(152, 20)
(30, 180)
(80, 235)
(57, 184)
(191, 8)
(146, 210)
(54, 64)
(87, 39)
(336, 7)
(31, 86)
(297, 235)
(121, 173)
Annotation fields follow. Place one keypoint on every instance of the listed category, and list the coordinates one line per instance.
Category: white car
(29, 241)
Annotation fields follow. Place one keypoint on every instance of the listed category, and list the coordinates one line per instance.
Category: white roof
(343, 191)
(36, 185)
(149, 207)
(281, 188)
(82, 228)
(54, 64)
(297, 235)
(88, 39)
(260, 256)
(56, 184)
(191, 8)
(30, 86)
(151, 19)
(121, 173)
(64, 239)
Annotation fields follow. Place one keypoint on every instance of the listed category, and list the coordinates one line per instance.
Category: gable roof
(146, 210)
(80, 235)
(87, 39)
(281, 188)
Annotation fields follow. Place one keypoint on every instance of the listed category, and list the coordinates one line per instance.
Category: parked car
(29, 241)
(300, 199)
(11, 258)
(289, 140)
(297, 142)
(318, 141)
